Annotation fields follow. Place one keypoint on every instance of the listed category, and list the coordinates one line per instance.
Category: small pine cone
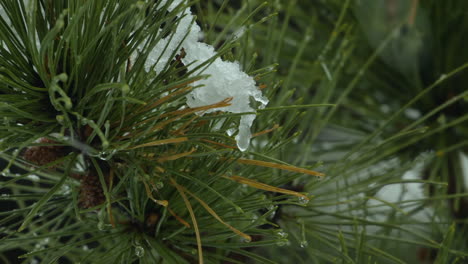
(91, 193)
(42, 155)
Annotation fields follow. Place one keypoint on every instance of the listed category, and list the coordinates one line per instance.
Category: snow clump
(226, 80)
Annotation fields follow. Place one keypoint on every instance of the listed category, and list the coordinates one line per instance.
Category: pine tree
(184, 132)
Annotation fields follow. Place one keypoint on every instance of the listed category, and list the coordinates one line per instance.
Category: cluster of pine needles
(102, 161)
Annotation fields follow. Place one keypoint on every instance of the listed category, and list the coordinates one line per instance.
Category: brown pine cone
(42, 155)
(91, 192)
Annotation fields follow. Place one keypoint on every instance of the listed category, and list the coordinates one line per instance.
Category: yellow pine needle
(162, 100)
(165, 203)
(161, 142)
(150, 195)
(200, 123)
(162, 124)
(178, 115)
(147, 107)
(181, 130)
(279, 166)
(263, 186)
(182, 221)
(184, 112)
(176, 156)
(219, 144)
(413, 12)
(224, 103)
(167, 97)
(265, 131)
(194, 219)
(183, 84)
(215, 215)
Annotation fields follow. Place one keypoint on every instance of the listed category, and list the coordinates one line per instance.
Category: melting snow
(226, 78)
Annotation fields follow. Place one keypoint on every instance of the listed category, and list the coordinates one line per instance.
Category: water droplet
(281, 243)
(304, 244)
(319, 164)
(42, 243)
(246, 240)
(139, 251)
(159, 185)
(281, 234)
(272, 215)
(5, 172)
(303, 200)
(106, 155)
(239, 210)
(101, 226)
(33, 177)
(65, 190)
(254, 218)
(231, 131)
(442, 77)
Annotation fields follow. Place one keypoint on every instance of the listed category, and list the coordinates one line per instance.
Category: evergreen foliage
(103, 162)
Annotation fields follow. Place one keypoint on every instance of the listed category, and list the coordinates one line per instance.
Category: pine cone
(42, 155)
(91, 192)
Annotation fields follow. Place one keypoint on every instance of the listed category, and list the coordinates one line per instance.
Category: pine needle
(215, 215)
(280, 166)
(266, 131)
(146, 108)
(183, 112)
(178, 114)
(218, 144)
(164, 99)
(161, 142)
(194, 219)
(182, 221)
(263, 186)
(150, 195)
(181, 130)
(176, 156)
(109, 205)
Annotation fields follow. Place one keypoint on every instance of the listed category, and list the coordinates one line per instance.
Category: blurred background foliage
(394, 145)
